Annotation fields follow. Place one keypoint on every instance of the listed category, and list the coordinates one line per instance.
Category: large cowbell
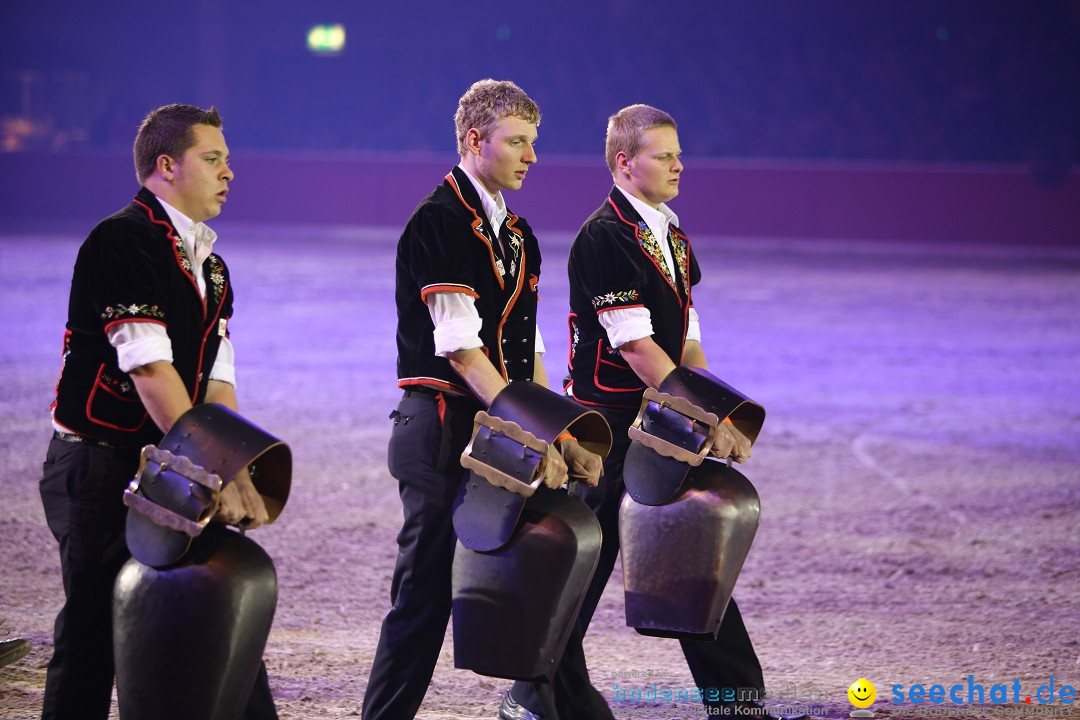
(188, 638)
(687, 521)
(525, 554)
(192, 608)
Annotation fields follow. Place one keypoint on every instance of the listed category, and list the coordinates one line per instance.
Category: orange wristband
(564, 436)
(727, 420)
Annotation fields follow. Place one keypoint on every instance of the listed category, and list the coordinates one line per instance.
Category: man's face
(506, 154)
(653, 174)
(201, 177)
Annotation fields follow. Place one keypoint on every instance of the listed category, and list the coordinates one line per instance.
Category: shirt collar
(494, 206)
(653, 217)
(198, 239)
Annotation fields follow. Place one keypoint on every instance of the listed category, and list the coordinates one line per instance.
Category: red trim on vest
(663, 274)
(475, 224)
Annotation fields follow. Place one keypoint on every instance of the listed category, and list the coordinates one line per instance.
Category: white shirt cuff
(457, 323)
(539, 347)
(693, 326)
(626, 325)
(224, 369)
(457, 334)
(140, 343)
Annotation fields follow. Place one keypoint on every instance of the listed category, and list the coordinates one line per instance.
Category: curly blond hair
(487, 102)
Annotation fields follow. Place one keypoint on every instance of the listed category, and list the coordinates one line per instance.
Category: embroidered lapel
(216, 275)
(651, 248)
(679, 244)
(214, 271)
(479, 226)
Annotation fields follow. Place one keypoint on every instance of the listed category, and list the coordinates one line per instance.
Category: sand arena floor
(919, 469)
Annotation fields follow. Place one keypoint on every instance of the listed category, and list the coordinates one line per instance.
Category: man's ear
(622, 162)
(473, 141)
(165, 165)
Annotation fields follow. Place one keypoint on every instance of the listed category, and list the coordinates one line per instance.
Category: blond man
(466, 294)
(632, 318)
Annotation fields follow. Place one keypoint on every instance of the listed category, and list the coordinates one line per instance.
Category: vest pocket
(612, 373)
(114, 403)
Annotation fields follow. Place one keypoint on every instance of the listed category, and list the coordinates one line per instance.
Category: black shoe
(510, 710)
(12, 650)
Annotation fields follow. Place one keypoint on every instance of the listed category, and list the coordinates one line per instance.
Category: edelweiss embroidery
(678, 250)
(117, 385)
(217, 277)
(133, 310)
(614, 298)
(185, 261)
(515, 245)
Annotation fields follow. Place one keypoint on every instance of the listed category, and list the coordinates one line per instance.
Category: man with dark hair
(632, 321)
(147, 338)
(466, 293)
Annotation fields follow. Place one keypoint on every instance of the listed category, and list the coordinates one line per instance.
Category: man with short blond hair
(466, 294)
(632, 323)
(626, 131)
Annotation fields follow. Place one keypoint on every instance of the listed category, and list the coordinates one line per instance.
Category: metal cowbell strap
(177, 488)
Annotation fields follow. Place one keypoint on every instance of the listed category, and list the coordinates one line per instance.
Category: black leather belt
(74, 438)
(449, 397)
(423, 390)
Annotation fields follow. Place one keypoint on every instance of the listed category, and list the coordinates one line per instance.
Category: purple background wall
(955, 203)
(897, 119)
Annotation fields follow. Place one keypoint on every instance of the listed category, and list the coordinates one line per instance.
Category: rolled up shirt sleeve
(140, 343)
(693, 326)
(626, 325)
(225, 365)
(457, 323)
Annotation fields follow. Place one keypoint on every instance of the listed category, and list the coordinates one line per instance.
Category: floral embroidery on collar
(216, 277)
(678, 251)
(133, 310)
(649, 243)
(681, 257)
(614, 298)
(181, 252)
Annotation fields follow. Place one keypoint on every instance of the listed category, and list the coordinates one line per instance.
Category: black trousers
(727, 662)
(428, 437)
(82, 488)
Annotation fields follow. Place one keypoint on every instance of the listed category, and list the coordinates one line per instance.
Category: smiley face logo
(862, 693)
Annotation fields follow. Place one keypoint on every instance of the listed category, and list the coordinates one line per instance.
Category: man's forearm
(648, 360)
(540, 372)
(694, 355)
(162, 392)
(222, 392)
(478, 373)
